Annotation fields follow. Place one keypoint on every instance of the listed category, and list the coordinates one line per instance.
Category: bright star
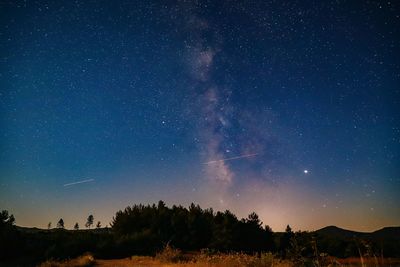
(305, 171)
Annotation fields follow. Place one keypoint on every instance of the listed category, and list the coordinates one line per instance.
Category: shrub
(169, 254)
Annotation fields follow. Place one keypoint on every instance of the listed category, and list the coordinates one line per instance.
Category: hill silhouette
(384, 233)
(392, 232)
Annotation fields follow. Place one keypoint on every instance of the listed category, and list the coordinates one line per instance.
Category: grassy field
(222, 260)
(174, 258)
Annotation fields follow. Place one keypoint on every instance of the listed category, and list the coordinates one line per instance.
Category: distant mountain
(29, 229)
(336, 232)
(387, 233)
(34, 230)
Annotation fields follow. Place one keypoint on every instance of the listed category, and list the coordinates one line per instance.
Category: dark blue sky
(289, 109)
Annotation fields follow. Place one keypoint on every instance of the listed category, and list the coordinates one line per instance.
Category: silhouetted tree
(60, 224)
(49, 225)
(269, 237)
(6, 219)
(284, 245)
(89, 221)
(225, 233)
(200, 227)
(11, 220)
(76, 226)
(98, 225)
(192, 228)
(252, 235)
(9, 236)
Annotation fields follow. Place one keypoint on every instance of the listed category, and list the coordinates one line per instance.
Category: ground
(223, 260)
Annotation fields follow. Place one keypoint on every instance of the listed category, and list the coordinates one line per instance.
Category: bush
(169, 254)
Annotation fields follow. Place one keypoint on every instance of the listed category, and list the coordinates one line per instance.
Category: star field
(285, 108)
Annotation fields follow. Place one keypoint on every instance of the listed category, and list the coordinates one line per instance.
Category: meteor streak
(233, 158)
(80, 182)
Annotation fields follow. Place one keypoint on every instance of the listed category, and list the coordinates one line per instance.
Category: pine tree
(89, 221)
(60, 224)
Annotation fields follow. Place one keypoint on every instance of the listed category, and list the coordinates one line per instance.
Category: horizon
(82, 222)
(287, 109)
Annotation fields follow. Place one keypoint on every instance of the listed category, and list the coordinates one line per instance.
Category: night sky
(286, 108)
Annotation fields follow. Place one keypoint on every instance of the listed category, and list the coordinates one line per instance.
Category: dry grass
(170, 257)
(174, 258)
(242, 260)
(169, 254)
(369, 262)
(237, 259)
(223, 260)
(82, 261)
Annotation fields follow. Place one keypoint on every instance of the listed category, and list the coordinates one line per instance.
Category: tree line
(146, 229)
(88, 224)
(192, 228)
